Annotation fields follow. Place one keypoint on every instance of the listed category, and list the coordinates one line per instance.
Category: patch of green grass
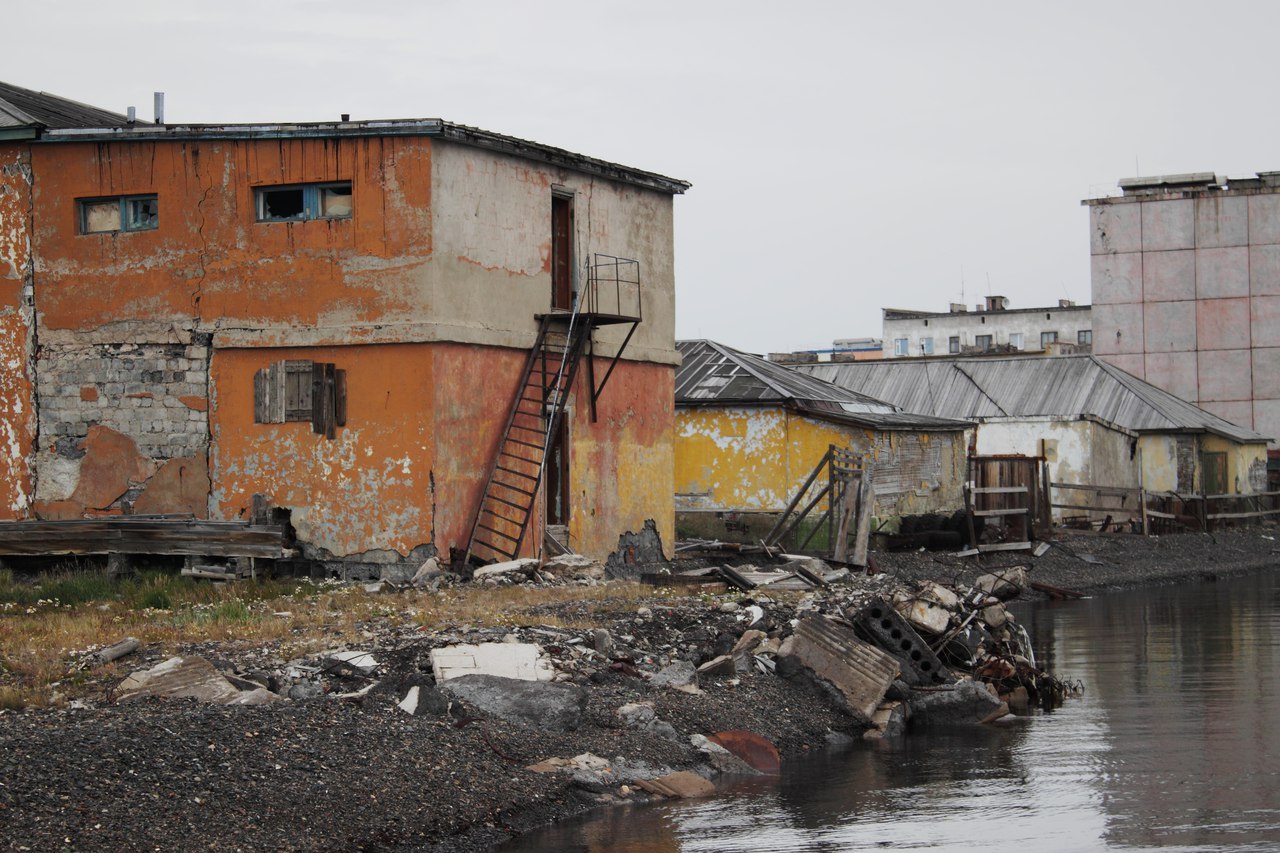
(66, 587)
(227, 612)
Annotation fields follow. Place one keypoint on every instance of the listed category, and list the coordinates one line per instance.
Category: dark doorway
(1213, 473)
(557, 475)
(561, 253)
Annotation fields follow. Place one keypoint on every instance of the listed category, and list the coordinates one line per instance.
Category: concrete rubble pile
(888, 656)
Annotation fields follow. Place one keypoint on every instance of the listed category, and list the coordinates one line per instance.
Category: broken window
(297, 390)
(122, 213)
(299, 202)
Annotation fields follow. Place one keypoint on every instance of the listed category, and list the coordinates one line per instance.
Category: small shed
(749, 433)
(1092, 422)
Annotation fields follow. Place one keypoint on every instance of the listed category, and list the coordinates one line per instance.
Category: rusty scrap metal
(759, 753)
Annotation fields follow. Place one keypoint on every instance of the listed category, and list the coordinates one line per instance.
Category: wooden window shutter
(297, 389)
(269, 394)
(340, 398)
(324, 399)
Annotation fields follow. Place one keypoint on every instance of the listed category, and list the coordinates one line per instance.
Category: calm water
(1174, 744)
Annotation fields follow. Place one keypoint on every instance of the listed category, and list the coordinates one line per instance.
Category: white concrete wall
(490, 271)
(1067, 322)
(1186, 295)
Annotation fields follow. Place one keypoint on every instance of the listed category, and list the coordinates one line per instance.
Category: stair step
(499, 532)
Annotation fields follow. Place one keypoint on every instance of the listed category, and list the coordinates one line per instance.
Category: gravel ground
(330, 774)
(1094, 563)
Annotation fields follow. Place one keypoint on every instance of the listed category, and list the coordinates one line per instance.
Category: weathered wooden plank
(1006, 546)
(1092, 508)
(1119, 491)
(1259, 514)
(124, 535)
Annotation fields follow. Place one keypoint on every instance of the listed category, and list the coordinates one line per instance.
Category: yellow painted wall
(753, 459)
(748, 459)
(1159, 463)
(1246, 463)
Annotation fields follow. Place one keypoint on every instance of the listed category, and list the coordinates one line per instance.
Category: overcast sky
(844, 156)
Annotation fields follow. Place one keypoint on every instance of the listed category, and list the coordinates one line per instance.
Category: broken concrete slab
(995, 616)
(680, 785)
(636, 715)
(524, 566)
(924, 614)
(889, 721)
(602, 641)
(886, 628)
(427, 572)
(189, 678)
(679, 675)
(1004, 584)
(523, 661)
(940, 595)
(744, 650)
(362, 662)
(722, 666)
(532, 703)
(856, 673)
(575, 566)
(964, 703)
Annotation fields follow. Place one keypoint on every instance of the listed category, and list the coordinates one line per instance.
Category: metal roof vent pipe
(159, 96)
(131, 114)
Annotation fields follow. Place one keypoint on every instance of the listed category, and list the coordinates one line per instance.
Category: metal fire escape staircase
(538, 408)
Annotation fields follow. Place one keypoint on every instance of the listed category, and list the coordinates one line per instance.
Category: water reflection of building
(1184, 680)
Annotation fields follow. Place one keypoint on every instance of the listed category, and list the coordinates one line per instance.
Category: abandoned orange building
(342, 318)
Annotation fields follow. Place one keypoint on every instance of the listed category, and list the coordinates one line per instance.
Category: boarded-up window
(297, 390)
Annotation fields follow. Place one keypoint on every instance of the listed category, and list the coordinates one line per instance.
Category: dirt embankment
(361, 773)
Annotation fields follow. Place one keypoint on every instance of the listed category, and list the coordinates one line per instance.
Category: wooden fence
(1159, 512)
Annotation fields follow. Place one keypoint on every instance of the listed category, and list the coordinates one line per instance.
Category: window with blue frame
(119, 213)
(299, 202)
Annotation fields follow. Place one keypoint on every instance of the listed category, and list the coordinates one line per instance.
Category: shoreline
(362, 774)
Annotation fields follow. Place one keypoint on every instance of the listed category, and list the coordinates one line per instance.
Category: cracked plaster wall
(17, 409)
(425, 296)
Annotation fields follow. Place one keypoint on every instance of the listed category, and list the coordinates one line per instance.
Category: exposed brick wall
(154, 393)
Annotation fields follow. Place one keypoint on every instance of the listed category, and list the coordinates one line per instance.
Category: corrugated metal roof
(1066, 387)
(27, 108)
(714, 374)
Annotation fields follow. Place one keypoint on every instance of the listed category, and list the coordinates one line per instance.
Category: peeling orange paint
(622, 467)
(199, 404)
(209, 259)
(367, 488)
(17, 393)
(424, 414)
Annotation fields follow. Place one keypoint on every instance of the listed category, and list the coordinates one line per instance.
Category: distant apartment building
(992, 327)
(1186, 290)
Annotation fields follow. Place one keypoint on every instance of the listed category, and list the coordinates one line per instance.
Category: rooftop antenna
(962, 284)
